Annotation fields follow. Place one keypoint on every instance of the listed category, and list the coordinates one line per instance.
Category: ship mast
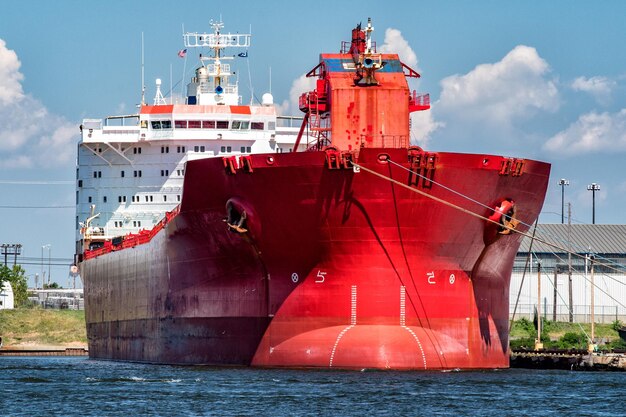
(211, 84)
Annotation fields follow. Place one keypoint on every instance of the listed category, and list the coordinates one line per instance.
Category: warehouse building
(560, 264)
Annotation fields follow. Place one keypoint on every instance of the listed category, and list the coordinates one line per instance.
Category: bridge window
(222, 124)
(208, 124)
(240, 125)
(161, 124)
(180, 124)
(257, 125)
(194, 124)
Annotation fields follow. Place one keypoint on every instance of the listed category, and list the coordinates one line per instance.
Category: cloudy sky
(533, 79)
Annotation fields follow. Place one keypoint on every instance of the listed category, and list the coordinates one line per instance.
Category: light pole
(563, 182)
(43, 276)
(593, 187)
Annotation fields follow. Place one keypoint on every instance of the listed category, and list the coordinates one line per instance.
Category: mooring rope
(471, 213)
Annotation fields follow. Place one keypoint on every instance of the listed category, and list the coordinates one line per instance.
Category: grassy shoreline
(31, 328)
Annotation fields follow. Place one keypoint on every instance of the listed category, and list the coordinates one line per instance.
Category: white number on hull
(431, 277)
(321, 277)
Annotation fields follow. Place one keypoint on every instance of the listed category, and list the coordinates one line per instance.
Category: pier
(576, 360)
(44, 352)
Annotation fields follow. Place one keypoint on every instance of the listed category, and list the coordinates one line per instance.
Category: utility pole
(592, 345)
(11, 249)
(43, 274)
(593, 187)
(556, 271)
(563, 182)
(538, 344)
(569, 262)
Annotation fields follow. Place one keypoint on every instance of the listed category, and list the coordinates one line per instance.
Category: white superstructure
(130, 168)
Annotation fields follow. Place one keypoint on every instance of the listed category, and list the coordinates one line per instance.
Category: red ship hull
(337, 268)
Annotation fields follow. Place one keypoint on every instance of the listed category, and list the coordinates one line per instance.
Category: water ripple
(81, 387)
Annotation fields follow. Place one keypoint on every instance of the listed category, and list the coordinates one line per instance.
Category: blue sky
(534, 79)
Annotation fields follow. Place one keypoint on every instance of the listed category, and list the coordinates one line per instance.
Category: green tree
(15, 276)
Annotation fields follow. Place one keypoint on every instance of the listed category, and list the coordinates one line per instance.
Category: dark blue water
(44, 386)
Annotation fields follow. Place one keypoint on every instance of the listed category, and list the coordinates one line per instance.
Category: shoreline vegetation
(36, 328)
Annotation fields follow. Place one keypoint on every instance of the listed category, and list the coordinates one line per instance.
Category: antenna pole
(592, 346)
(569, 262)
(538, 344)
(143, 83)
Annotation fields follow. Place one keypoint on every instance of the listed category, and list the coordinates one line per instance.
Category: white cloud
(300, 85)
(422, 126)
(501, 94)
(396, 44)
(592, 132)
(599, 87)
(31, 136)
(10, 76)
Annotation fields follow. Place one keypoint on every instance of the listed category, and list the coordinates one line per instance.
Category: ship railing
(132, 239)
(221, 70)
(122, 120)
(289, 121)
(206, 88)
(418, 101)
(419, 98)
(384, 141)
(346, 45)
(92, 124)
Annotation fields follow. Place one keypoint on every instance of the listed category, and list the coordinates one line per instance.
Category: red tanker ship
(359, 252)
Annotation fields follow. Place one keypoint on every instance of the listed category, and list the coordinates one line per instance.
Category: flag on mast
(182, 53)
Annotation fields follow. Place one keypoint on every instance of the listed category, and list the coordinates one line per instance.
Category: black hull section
(178, 341)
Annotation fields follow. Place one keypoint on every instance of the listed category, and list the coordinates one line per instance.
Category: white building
(556, 247)
(7, 301)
